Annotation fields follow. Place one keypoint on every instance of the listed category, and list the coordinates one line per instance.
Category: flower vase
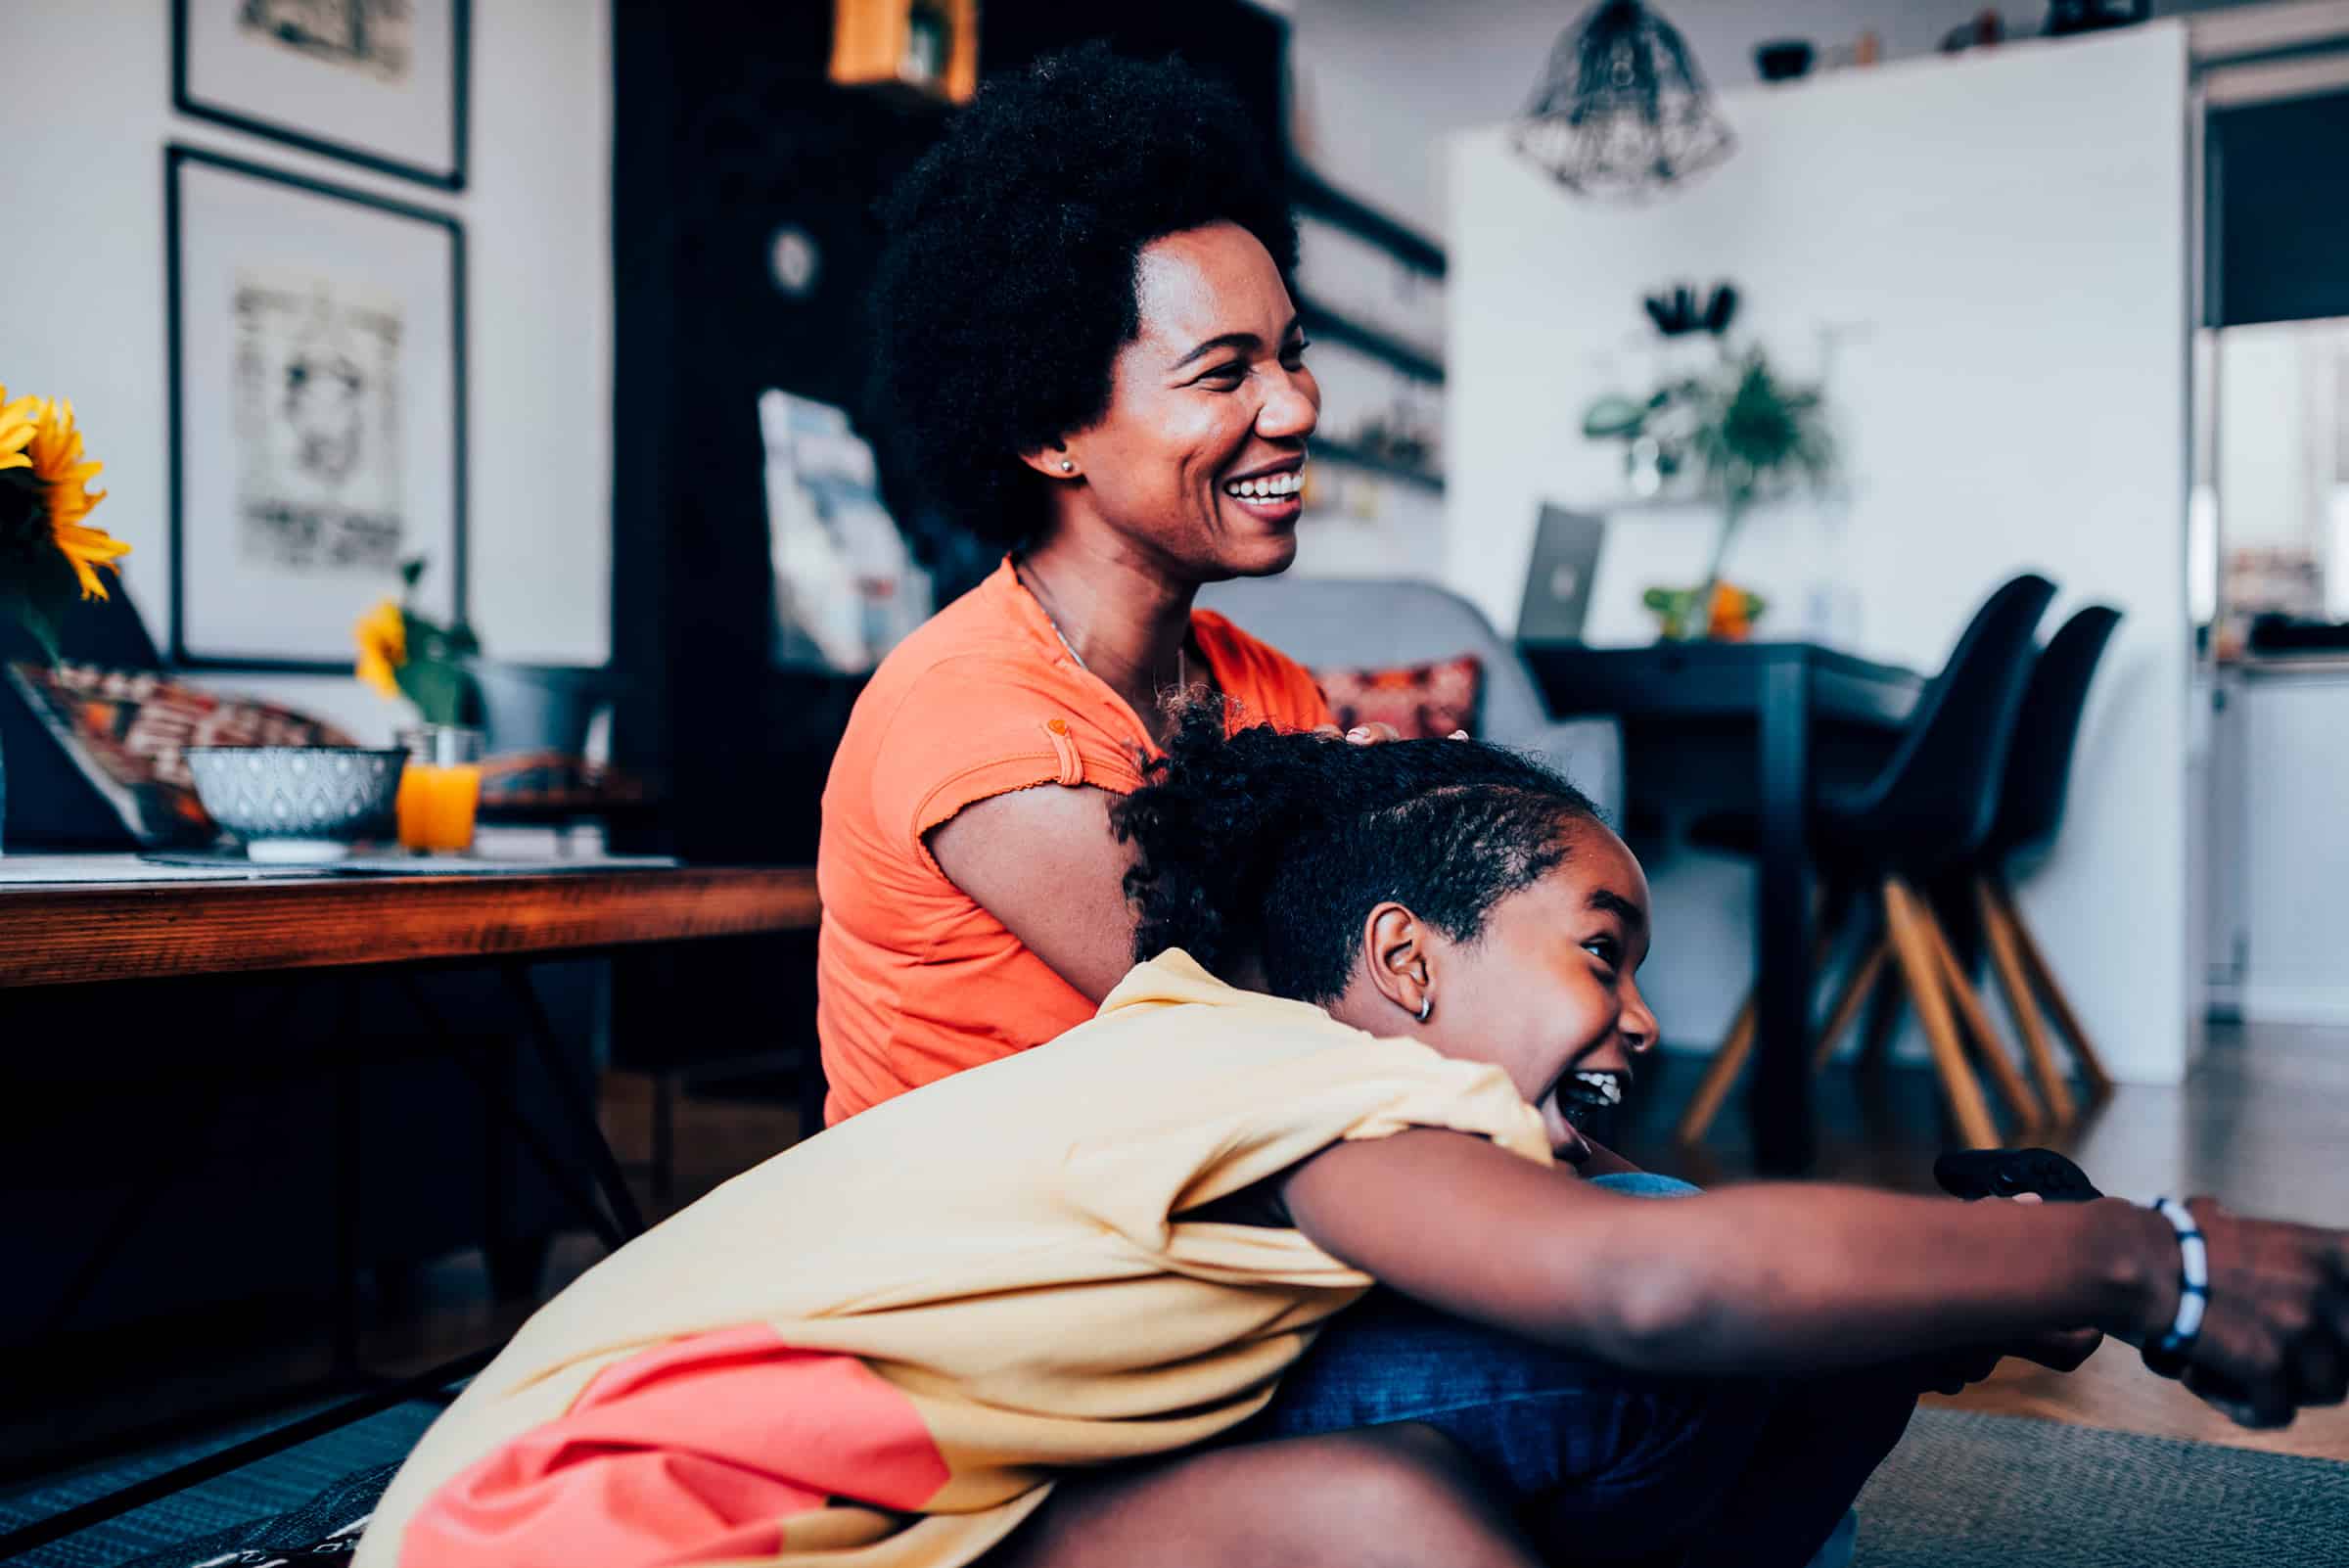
(1715, 609)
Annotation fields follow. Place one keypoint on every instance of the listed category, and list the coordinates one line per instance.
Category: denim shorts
(1632, 1463)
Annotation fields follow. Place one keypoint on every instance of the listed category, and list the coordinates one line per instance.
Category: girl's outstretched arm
(1796, 1279)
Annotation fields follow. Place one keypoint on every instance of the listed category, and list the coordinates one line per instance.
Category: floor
(2264, 1121)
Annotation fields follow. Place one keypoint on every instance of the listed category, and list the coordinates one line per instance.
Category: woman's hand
(2274, 1338)
(1372, 734)
(1360, 735)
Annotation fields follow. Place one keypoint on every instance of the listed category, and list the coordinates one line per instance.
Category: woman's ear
(1053, 461)
(1397, 954)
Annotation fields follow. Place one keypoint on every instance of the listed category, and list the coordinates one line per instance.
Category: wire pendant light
(1621, 110)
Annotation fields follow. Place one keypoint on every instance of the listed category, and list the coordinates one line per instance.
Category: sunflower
(58, 463)
(382, 637)
(17, 423)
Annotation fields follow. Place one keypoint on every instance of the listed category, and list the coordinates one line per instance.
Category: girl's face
(1196, 465)
(1547, 991)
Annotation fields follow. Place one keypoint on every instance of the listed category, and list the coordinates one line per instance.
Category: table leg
(585, 1121)
(1780, 1104)
(349, 1178)
(503, 1103)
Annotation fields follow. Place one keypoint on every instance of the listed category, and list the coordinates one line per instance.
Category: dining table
(1788, 701)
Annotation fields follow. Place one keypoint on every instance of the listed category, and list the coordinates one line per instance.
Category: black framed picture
(379, 82)
(318, 396)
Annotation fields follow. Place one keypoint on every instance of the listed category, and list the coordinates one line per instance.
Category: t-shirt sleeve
(1193, 1144)
(965, 731)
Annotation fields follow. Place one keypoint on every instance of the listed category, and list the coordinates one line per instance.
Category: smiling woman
(1088, 354)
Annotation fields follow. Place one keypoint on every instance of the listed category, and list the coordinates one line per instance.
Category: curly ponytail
(1279, 845)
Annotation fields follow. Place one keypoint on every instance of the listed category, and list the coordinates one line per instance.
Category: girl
(1035, 1314)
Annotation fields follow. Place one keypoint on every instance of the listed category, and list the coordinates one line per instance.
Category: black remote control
(2009, 1173)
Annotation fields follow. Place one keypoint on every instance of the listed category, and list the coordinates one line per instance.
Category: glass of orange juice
(439, 789)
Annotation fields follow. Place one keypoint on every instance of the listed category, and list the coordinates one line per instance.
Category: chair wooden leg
(1713, 1090)
(2092, 1067)
(1920, 968)
(1720, 1074)
(1855, 993)
(2012, 1087)
(2006, 956)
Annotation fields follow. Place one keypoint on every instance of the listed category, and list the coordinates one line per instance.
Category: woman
(1026, 1316)
(1088, 356)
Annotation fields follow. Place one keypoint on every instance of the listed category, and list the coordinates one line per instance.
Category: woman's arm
(1045, 863)
(1783, 1278)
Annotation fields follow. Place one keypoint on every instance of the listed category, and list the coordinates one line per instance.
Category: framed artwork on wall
(317, 399)
(379, 82)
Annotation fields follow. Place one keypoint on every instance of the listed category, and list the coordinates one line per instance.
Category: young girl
(1038, 1312)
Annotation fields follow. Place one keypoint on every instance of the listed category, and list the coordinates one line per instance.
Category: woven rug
(1963, 1491)
(1968, 1491)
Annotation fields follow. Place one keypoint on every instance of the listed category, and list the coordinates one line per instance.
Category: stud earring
(1427, 1004)
(1067, 466)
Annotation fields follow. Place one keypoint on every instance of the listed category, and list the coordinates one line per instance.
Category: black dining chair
(2039, 772)
(1929, 809)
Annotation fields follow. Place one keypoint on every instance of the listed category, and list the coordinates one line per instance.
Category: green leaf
(442, 691)
(411, 572)
(1613, 418)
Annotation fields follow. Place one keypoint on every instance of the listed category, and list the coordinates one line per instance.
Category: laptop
(1557, 583)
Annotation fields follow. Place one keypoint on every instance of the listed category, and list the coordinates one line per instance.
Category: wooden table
(86, 933)
(1785, 693)
(79, 934)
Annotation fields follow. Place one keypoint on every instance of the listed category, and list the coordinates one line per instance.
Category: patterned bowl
(298, 804)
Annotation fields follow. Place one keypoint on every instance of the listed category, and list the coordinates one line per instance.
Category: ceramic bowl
(298, 804)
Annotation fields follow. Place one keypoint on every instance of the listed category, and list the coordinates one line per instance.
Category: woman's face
(1197, 464)
(1547, 991)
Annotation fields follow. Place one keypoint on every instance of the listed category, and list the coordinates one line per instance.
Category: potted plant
(1748, 437)
(50, 557)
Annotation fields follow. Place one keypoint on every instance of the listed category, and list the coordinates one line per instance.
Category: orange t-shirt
(914, 979)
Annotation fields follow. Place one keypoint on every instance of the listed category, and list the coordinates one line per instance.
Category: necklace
(1036, 591)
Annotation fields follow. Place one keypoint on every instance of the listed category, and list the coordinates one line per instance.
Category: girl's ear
(1397, 954)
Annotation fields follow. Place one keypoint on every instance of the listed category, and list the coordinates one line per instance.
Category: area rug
(1972, 1491)
(1963, 1491)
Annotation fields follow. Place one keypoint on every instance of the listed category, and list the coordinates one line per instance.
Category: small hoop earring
(1067, 466)
(1427, 1004)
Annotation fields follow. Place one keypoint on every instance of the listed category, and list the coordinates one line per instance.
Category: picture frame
(379, 83)
(317, 399)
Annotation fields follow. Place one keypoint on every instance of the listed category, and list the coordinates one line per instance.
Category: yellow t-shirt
(880, 1346)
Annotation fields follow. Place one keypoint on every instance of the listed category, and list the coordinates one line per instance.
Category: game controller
(2011, 1173)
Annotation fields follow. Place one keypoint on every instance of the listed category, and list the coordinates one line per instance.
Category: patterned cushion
(125, 730)
(1421, 701)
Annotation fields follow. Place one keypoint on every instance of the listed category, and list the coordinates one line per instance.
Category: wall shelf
(1337, 451)
(1327, 323)
(1309, 193)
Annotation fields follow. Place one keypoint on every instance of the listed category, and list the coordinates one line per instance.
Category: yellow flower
(18, 422)
(58, 462)
(382, 635)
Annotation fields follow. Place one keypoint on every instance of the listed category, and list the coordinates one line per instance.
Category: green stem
(1697, 625)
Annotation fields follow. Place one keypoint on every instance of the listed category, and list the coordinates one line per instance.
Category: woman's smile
(1272, 494)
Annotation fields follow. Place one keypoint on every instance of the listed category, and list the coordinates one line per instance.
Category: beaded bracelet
(2167, 1356)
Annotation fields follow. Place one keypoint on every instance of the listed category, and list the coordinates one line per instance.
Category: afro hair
(1006, 284)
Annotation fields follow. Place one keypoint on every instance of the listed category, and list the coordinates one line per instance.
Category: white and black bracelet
(2167, 1356)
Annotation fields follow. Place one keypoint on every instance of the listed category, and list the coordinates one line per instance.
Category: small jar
(440, 789)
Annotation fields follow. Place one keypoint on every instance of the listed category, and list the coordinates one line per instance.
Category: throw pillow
(1421, 701)
(126, 729)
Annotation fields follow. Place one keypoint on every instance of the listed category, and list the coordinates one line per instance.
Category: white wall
(86, 109)
(1377, 83)
(2009, 390)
